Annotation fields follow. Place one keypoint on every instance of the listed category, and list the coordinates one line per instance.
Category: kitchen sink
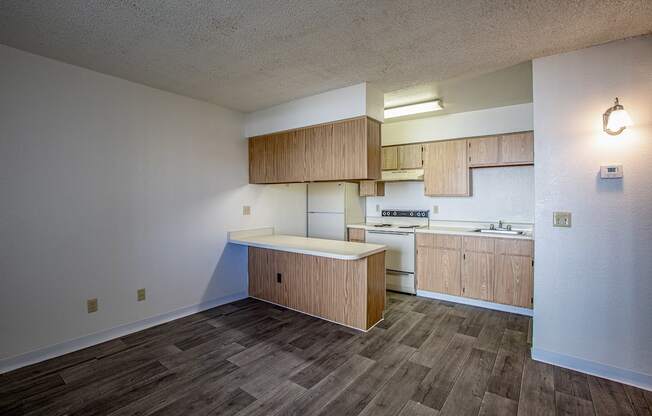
(498, 231)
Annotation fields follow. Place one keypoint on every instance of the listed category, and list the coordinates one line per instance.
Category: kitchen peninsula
(339, 281)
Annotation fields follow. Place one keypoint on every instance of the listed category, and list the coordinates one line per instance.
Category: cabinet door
(514, 280)
(320, 165)
(517, 148)
(446, 172)
(447, 271)
(357, 235)
(290, 156)
(389, 158)
(372, 188)
(350, 149)
(261, 283)
(257, 160)
(425, 271)
(478, 275)
(439, 270)
(409, 156)
(483, 151)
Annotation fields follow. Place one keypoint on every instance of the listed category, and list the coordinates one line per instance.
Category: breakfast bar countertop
(265, 238)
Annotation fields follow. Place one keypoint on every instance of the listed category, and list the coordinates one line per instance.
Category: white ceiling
(251, 54)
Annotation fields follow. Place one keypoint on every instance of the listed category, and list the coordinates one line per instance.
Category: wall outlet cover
(141, 295)
(246, 210)
(91, 305)
(435, 209)
(561, 219)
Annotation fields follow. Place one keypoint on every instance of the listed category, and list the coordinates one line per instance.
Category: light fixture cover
(406, 110)
(615, 119)
(618, 119)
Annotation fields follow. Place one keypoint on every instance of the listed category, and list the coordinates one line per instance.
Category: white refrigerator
(331, 206)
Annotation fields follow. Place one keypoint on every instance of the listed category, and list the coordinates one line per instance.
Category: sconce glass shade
(618, 119)
(615, 119)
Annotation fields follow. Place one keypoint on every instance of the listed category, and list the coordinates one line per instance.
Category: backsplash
(505, 193)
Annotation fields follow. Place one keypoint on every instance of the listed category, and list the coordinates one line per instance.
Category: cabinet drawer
(514, 247)
(479, 244)
(449, 242)
(425, 240)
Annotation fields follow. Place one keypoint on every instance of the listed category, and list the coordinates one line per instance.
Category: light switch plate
(561, 219)
(246, 210)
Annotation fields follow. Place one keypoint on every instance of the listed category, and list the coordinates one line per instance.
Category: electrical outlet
(377, 207)
(141, 294)
(435, 209)
(561, 219)
(91, 305)
(246, 210)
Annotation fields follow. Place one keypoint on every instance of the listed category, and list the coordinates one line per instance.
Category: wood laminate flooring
(252, 358)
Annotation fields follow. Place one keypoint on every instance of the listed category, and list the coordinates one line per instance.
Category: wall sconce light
(615, 119)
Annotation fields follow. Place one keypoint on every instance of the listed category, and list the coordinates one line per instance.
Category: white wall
(107, 186)
(593, 282)
(497, 120)
(354, 101)
(498, 194)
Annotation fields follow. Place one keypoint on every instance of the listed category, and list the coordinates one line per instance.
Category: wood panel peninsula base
(339, 281)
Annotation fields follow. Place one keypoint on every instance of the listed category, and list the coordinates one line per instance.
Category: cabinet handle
(278, 277)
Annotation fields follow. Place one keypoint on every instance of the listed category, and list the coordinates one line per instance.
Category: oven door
(399, 256)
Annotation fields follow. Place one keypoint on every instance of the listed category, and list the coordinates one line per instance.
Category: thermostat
(611, 171)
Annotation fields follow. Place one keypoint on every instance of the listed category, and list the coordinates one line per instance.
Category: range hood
(402, 175)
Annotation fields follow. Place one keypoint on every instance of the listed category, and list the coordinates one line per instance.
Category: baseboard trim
(621, 375)
(475, 302)
(33, 357)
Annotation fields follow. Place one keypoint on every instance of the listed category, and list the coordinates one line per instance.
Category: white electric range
(395, 229)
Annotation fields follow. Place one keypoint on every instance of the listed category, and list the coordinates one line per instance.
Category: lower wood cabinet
(356, 235)
(489, 269)
(438, 263)
(350, 292)
(478, 275)
(514, 273)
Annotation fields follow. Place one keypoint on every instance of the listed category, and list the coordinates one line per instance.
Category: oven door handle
(388, 232)
(390, 271)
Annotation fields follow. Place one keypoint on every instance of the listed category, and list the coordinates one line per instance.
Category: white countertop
(455, 228)
(265, 238)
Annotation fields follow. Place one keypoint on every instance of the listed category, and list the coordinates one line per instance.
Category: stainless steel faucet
(500, 224)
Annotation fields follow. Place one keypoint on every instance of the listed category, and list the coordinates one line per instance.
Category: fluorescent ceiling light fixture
(406, 110)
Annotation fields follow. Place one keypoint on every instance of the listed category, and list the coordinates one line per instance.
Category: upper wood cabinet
(446, 171)
(372, 188)
(502, 150)
(343, 150)
(517, 148)
(483, 151)
(410, 156)
(390, 158)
